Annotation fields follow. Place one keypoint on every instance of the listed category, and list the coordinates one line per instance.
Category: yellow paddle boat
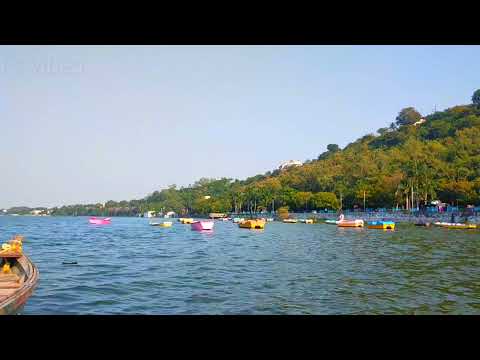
(252, 224)
(186, 220)
(162, 224)
(455, 225)
(382, 225)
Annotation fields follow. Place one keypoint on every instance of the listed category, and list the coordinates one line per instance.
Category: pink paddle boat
(96, 221)
(202, 225)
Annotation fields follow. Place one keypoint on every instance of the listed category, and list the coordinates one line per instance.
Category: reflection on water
(131, 267)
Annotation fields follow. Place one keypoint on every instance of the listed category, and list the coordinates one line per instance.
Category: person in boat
(341, 217)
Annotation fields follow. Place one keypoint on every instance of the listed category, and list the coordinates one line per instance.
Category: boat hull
(202, 225)
(350, 223)
(164, 224)
(381, 225)
(99, 221)
(252, 224)
(455, 225)
(14, 302)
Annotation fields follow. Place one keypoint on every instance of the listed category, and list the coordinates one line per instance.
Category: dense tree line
(406, 165)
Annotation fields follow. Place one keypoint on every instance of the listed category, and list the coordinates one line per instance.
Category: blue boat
(384, 225)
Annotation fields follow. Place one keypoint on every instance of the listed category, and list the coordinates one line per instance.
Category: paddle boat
(383, 225)
(350, 223)
(202, 225)
(162, 224)
(252, 224)
(18, 277)
(290, 221)
(426, 224)
(217, 216)
(269, 219)
(306, 221)
(455, 225)
(331, 222)
(186, 220)
(97, 221)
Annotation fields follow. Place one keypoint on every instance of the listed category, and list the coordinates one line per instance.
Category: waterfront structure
(289, 163)
(149, 214)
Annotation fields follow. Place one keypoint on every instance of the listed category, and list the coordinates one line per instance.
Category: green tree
(476, 98)
(302, 198)
(383, 131)
(333, 148)
(325, 200)
(408, 116)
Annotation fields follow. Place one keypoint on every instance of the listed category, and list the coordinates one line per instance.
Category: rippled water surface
(130, 267)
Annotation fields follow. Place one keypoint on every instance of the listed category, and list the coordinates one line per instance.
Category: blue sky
(85, 124)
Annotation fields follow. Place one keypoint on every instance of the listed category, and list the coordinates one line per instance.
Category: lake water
(130, 267)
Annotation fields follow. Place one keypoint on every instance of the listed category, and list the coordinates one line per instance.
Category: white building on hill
(289, 163)
(419, 122)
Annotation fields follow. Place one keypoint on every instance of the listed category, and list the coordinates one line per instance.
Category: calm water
(133, 268)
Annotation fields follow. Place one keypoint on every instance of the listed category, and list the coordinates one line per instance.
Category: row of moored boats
(390, 225)
(260, 223)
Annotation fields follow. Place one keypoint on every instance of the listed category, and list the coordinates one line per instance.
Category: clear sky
(86, 124)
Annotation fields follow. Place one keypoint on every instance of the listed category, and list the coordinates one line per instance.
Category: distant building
(419, 122)
(149, 214)
(39, 212)
(170, 214)
(206, 197)
(289, 163)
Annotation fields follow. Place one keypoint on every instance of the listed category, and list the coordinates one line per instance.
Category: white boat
(162, 224)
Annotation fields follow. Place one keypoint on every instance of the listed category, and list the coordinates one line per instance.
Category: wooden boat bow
(13, 298)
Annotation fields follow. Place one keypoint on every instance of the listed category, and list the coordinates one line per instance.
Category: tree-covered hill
(406, 165)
